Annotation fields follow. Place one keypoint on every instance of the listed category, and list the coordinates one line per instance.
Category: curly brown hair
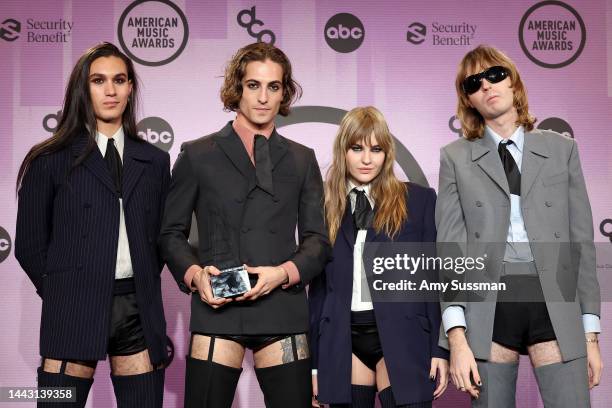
(231, 91)
(480, 58)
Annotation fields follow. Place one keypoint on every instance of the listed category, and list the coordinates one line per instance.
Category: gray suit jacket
(473, 210)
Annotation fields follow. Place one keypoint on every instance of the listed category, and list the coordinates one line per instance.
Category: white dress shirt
(123, 265)
(361, 299)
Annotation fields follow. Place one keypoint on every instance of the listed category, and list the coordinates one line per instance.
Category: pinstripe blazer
(66, 241)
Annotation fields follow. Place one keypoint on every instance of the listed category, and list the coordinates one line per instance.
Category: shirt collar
(518, 137)
(244, 129)
(102, 141)
(366, 189)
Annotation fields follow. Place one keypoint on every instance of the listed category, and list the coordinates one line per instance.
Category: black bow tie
(512, 172)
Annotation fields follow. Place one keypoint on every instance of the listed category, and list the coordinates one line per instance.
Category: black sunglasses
(493, 75)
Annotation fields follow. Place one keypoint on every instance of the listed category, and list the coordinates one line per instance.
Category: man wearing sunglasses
(516, 196)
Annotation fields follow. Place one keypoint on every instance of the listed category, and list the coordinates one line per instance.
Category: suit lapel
(535, 153)
(278, 148)
(347, 227)
(232, 146)
(134, 163)
(484, 153)
(94, 162)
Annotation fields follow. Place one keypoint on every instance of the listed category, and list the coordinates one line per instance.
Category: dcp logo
(254, 21)
(606, 228)
(51, 121)
(455, 129)
(344, 32)
(416, 33)
(10, 29)
(5, 244)
(557, 125)
(156, 131)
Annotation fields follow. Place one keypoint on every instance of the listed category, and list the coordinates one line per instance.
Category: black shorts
(126, 336)
(364, 337)
(519, 324)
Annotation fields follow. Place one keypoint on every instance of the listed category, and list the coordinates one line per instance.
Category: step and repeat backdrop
(400, 56)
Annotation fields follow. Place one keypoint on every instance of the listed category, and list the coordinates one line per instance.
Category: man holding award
(249, 188)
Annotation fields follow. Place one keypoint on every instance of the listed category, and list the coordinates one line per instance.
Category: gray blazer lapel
(484, 153)
(535, 153)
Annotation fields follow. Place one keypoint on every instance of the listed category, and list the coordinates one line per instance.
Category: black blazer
(66, 241)
(240, 223)
(408, 330)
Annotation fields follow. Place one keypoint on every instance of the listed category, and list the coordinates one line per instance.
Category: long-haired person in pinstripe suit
(90, 202)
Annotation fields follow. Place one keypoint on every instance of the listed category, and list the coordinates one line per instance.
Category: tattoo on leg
(302, 347)
(287, 350)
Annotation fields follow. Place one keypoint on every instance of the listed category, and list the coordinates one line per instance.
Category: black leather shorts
(364, 337)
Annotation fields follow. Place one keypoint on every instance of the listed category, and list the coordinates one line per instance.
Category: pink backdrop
(402, 59)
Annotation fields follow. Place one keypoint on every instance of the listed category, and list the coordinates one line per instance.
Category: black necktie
(113, 160)
(512, 172)
(263, 164)
(363, 214)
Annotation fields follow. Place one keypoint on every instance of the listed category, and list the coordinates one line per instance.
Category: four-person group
(99, 216)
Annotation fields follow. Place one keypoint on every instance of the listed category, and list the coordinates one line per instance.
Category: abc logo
(5, 244)
(157, 132)
(344, 32)
(557, 125)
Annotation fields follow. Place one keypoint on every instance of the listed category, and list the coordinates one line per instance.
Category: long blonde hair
(389, 194)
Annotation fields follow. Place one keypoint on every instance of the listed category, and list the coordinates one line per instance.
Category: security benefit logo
(552, 34)
(5, 244)
(344, 32)
(10, 29)
(153, 32)
(247, 19)
(37, 31)
(156, 131)
(445, 33)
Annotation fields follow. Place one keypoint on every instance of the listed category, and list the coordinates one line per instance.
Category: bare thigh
(544, 353)
(382, 376)
(501, 354)
(225, 352)
(72, 368)
(281, 352)
(133, 364)
(361, 374)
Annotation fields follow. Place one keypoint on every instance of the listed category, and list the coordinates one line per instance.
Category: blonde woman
(360, 347)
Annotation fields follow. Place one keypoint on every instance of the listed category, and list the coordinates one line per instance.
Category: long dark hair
(78, 117)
